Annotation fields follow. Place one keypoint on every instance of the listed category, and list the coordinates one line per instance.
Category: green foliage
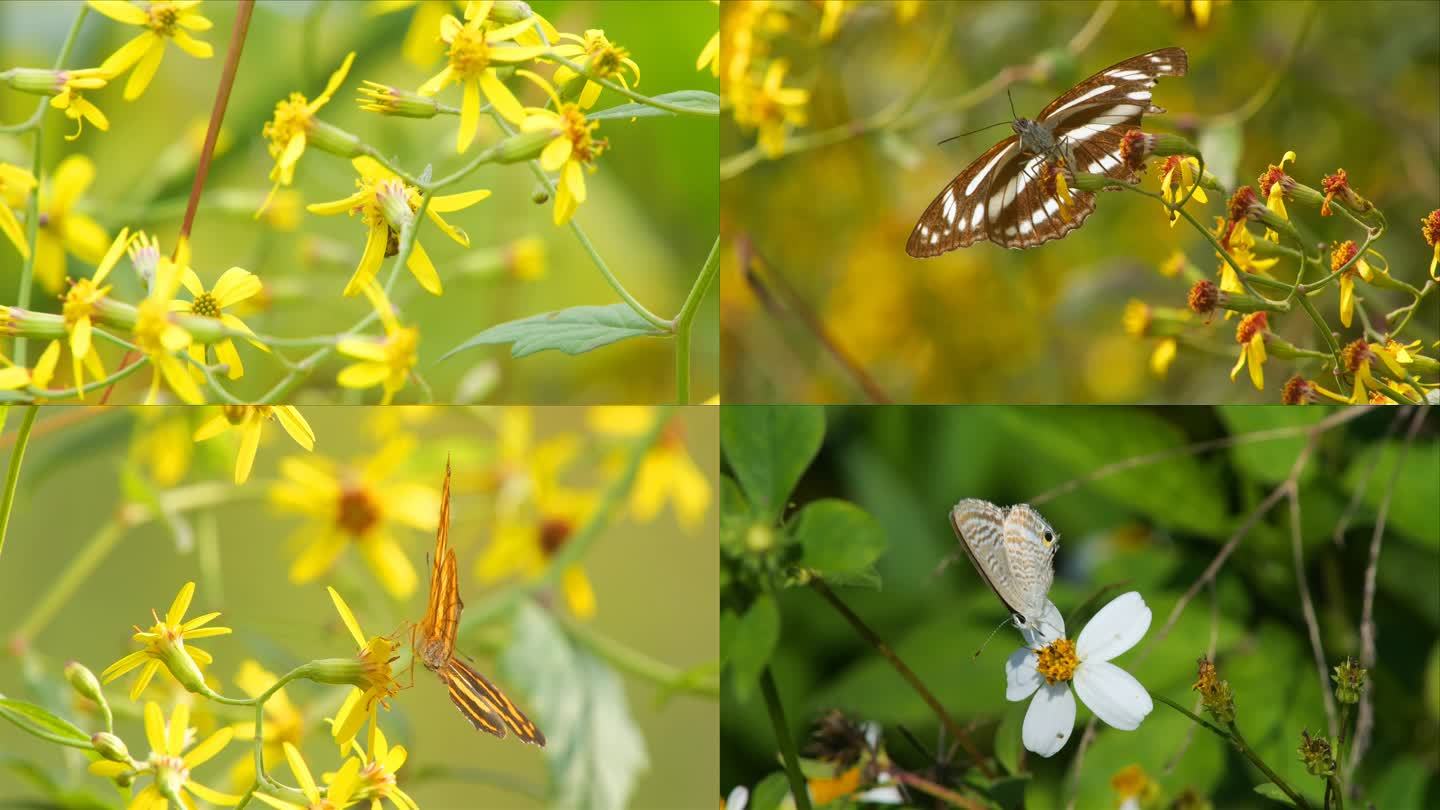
(36, 720)
(838, 537)
(573, 331)
(751, 640)
(1413, 510)
(767, 448)
(700, 101)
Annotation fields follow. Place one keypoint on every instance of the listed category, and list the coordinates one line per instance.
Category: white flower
(738, 798)
(1049, 660)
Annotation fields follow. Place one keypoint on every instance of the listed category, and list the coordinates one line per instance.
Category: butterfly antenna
(987, 639)
(972, 132)
(1012, 104)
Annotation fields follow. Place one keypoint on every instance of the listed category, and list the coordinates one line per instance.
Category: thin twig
(798, 789)
(1307, 607)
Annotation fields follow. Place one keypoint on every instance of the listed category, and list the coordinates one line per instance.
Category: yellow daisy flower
(168, 764)
(61, 228)
(248, 419)
(339, 794)
(359, 504)
(384, 361)
(79, 303)
(234, 285)
(383, 201)
(1177, 176)
(283, 722)
(159, 337)
(710, 54)
(666, 473)
(162, 443)
(1360, 357)
(15, 186)
(1250, 334)
(600, 57)
(379, 771)
(165, 643)
(770, 107)
(472, 50)
(573, 150)
(74, 104)
(1273, 184)
(361, 704)
(162, 19)
(290, 128)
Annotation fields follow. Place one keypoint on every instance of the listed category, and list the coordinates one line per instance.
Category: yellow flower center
(168, 769)
(400, 350)
(1057, 661)
(292, 117)
(152, 319)
(205, 306)
(579, 132)
(357, 513)
(469, 54)
(378, 781)
(163, 17)
(80, 301)
(606, 58)
(235, 414)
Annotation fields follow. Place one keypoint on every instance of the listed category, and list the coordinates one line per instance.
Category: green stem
(95, 385)
(1324, 330)
(686, 317)
(634, 662)
(1244, 748)
(798, 789)
(1337, 790)
(627, 92)
(12, 477)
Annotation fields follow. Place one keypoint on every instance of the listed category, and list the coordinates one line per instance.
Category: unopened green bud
(386, 100)
(177, 659)
(1085, 181)
(540, 195)
(759, 538)
(1167, 145)
(350, 671)
(510, 11)
(1239, 302)
(110, 747)
(35, 80)
(83, 681)
(334, 140)
(394, 201)
(1301, 193)
(1349, 678)
(524, 145)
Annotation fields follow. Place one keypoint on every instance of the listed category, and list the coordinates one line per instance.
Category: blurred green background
(1153, 529)
(70, 486)
(651, 212)
(986, 324)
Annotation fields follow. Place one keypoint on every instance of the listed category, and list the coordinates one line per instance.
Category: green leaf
(41, 723)
(838, 537)
(1220, 144)
(1270, 791)
(1269, 461)
(771, 791)
(768, 447)
(701, 101)
(752, 641)
(573, 331)
(593, 748)
(734, 514)
(1412, 506)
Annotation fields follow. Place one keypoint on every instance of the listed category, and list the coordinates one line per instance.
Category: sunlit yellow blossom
(357, 505)
(283, 722)
(165, 644)
(233, 286)
(1344, 252)
(162, 19)
(78, 305)
(159, 337)
(1242, 250)
(667, 472)
(381, 194)
(62, 229)
(248, 419)
(339, 794)
(288, 131)
(472, 50)
(710, 54)
(570, 154)
(1250, 334)
(76, 107)
(832, 12)
(600, 57)
(378, 774)
(169, 765)
(162, 443)
(1430, 229)
(385, 361)
(376, 655)
(1360, 357)
(16, 184)
(421, 46)
(1177, 176)
(1273, 185)
(535, 515)
(770, 107)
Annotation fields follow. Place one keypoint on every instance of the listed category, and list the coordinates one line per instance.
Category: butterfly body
(482, 703)
(1013, 549)
(1002, 195)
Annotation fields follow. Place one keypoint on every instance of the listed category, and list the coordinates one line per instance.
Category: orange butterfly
(485, 706)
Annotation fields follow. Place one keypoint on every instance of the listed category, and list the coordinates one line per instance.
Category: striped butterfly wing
(957, 217)
(484, 705)
(1030, 547)
(442, 610)
(980, 527)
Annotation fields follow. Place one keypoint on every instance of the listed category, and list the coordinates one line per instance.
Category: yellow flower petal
(145, 69)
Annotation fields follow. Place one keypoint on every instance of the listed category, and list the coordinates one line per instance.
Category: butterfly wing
(958, 216)
(484, 705)
(1029, 550)
(443, 585)
(980, 527)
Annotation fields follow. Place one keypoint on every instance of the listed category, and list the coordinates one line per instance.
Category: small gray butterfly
(1014, 551)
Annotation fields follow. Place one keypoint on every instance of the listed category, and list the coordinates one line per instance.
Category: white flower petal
(738, 798)
(1112, 694)
(1049, 720)
(1021, 676)
(880, 795)
(1115, 629)
(1047, 627)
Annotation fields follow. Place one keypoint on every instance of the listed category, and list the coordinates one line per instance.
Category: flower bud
(1093, 182)
(351, 671)
(386, 100)
(1298, 391)
(1215, 694)
(759, 538)
(110, 747)
(1301, 193)
(510, 11)
(1317, 755)
(1167, 145)
(334, 140)
(1349, 678)
(394, 201)
(524, 145)
(83, 681)
(177, 659)
(540, 195)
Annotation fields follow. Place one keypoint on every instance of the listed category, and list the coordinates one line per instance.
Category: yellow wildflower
(165, 643)
(159, 337)
(61, 228)
(385, 204)
(288, 131)
(15, 186)
(162, 19)
(667, 471)
(1358, 358)
(376, 655)
(1177, 176)
(378, 778)
(385, 361)
(338, 794)
(601, 58)
(162, 443)
(79, 303)
(1250, 334)
(710, 54)
(1274, 183)
(573, 150)
(168, 764)
(1430, 229)
(234, 285)
(832, 12)
(248, 419)
(75, 106)
(357, 505)
(770, 107)
(472, 50)
(1342, 253)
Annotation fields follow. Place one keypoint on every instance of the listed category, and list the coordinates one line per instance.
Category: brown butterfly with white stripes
(1000, 195)
(485, 706)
